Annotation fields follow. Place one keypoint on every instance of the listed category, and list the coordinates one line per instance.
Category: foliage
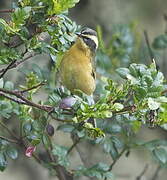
(124, 103)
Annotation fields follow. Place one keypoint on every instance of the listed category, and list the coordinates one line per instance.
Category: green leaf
(108, 145)
(152, 144)
(35, 142)
(20, 16)
(46, 141)
(6, 26)
(123, 72)
(160, 42)
(1, 83)
(118, 106)
(61, 153)
(114, 128)
(9, 85)
(162, 99)
(117, 142)
(12, 152)
(152, 104)
(111, 146)
(7, 55)
(5, 109)
(66, 128)
(99, 170)
(160, 154)
(27, 127)
(133, 70)
(3, 161)
(58, 6)
(93, 132)
(141, 92)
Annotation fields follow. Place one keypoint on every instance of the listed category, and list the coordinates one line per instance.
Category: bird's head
(89, 38)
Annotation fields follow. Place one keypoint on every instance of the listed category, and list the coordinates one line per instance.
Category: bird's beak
(78, 34)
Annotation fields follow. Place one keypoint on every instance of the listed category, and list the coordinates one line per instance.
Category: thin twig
(17, 141)
(34, 87)
(73, 145)
(19, 62)
(163, 92)
(62, 173)
(57, 119)
(28, 102)
(33, 155)
(7, 68)
(6, 10)
(37, 158)
(118, 157)
(165, 18)
(22, 100)
(156, 174)
(142, 173)
(148, 45)
(126, 109)
(9, 140)
(115, 161)
(12, 99)
(8, 130)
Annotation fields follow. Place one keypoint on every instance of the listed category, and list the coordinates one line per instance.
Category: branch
(17, 141)
(62, 173)
(22, 100)
(7, 68)
(84, 154)
(6, 10)
(8, 130)
(73, 145)
(126, 109)
(34, 87)
(115, 160)
(27, 102)
(119, 155)
(142, 173)
(12, 99)
(57, 119)
(156, 174)
(9, 140)
(165, 18)
(16, 63)
(16, 41)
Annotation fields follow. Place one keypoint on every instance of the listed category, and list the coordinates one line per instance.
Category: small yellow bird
(77, 69)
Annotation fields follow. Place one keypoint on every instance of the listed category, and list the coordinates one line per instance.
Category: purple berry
(50, 130)
(67, 103)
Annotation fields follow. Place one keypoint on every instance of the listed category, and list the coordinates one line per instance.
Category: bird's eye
(86, 40)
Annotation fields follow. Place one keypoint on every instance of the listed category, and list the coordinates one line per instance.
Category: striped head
(89, 37)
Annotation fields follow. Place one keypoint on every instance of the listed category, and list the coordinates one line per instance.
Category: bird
(77, 67)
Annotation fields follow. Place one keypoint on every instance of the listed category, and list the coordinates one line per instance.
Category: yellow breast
(76, 70)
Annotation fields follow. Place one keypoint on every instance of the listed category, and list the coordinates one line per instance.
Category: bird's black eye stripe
(89, 42)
